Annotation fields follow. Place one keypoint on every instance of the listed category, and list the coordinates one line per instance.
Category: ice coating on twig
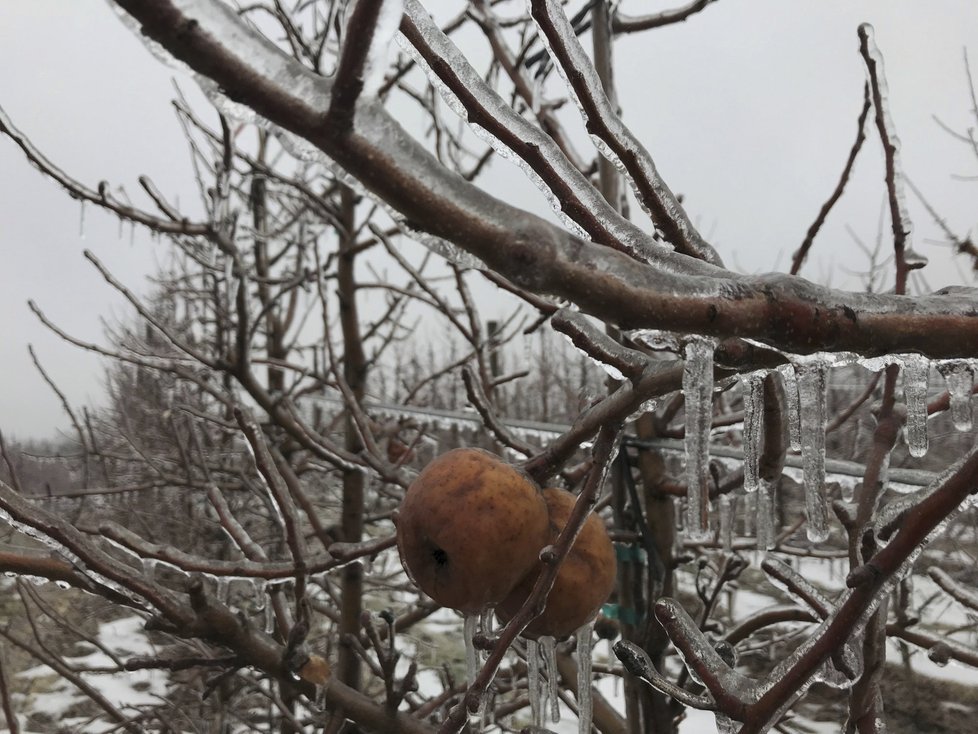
(890, 141)
(753, 427)
(585, 642)
(618, 142)
(791, 396)
(376, 60)
(698, 392)
(811, 394)
(916, 370)
(959, 376)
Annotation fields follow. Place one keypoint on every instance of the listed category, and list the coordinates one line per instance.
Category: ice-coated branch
(673, 292)
(625, 400)
(511, 134)
(100, 197)
(797, 586)
(89, 561)
(638, 663)
(283, 501)
(267, 570)
(950, 649)
(218, 624)
(477, 396)
(604, 124)
(622, 23)
(599, 346)
(896, 196)
(727, 687)
(961, 594)
(55, 569)
(5, 699)
(369, 31)
(917, 527)
(766, 618)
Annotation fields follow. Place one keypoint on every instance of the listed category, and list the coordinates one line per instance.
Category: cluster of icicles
(542, 674)
(805, 389)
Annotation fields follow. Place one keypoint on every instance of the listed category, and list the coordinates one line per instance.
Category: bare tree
(277, 387)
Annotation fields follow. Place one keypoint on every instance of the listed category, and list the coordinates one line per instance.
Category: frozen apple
(585, 580)
(469, 528)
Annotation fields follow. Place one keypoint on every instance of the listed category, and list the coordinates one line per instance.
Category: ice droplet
(584, 649)
(81, 220)
(916, 370)
(960, 379)
(698, 391)
(811, 394)
(753, 427)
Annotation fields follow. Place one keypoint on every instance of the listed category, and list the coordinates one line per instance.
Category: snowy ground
(125, 637)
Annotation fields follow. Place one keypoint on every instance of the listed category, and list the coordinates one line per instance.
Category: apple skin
(469, 528)
(584, 582)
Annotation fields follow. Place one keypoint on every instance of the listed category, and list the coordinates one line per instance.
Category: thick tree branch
(674, 292)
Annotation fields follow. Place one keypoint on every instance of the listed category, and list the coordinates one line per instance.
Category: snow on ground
(125, 638)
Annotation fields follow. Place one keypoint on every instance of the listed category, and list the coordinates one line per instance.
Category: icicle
(916, 370)
(533, 682)
(726, 521)
(81, 220)
(584, 649)
(548, 647)
(791, 396)
(485, 707)
(811, 394)
(960, 379)
(753, 427)
(698, 391)
(750, 510)
(471, 655)
(765, 517)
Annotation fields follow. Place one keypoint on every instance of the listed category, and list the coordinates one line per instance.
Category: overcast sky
(749, 110)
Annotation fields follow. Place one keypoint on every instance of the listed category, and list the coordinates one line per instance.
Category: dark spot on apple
(440, 556)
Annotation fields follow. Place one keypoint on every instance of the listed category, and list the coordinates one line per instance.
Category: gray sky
(749, 110)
